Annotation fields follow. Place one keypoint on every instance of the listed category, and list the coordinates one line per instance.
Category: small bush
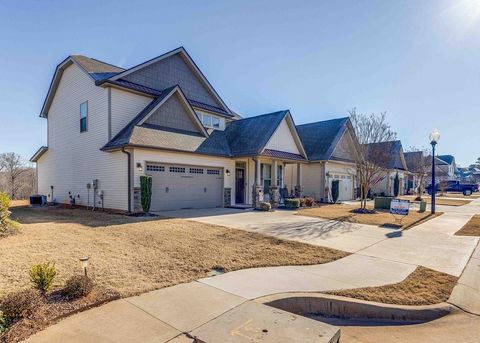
(3, 323)
(265, 206)
(42, 276)
(78, 286)
(292, 203)
(302, 202)
(309, 202)
(7, 226)
(20, 304)
(146, 192)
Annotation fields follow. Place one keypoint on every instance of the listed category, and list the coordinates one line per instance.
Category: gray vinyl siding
(169, 72)
(172, 114)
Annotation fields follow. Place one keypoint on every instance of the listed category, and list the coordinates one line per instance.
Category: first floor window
(83, 116)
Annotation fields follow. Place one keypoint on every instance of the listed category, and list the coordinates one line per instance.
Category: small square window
(207, 120)
(215, 122)
(83, 116)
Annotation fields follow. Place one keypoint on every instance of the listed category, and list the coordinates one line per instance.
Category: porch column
(299, 185)
(274, 189)
(257, 186)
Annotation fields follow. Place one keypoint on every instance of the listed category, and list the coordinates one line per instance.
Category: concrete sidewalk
(466, 293)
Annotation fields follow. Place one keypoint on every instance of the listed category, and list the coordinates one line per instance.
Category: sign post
(399, 207)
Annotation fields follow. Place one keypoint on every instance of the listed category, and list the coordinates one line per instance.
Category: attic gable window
(209, 121)
(83, 116)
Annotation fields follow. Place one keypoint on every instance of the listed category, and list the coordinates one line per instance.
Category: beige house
(331, 146)
(107, 126)
(393, 163)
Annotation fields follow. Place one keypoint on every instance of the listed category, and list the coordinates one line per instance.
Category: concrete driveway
(431, 244)
(288, 225)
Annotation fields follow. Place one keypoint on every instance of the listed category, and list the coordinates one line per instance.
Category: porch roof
(282, 155)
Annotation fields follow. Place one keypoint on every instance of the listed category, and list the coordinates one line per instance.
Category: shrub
(335, 190)
(7, 225)
(396, 185)
(301, 202)
(292, 203)
(20, 304)
(3, 323)
(146, 192)
(265, 206)
(309, 202)
(42, 276)
(78, 286)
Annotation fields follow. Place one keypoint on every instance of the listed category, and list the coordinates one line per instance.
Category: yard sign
(400, 207)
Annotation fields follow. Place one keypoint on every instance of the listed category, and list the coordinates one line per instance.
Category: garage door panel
(176, 187)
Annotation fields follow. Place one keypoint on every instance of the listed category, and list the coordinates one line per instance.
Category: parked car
(454, 186)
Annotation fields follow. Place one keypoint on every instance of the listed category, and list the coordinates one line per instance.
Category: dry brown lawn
(423, 287)
(472, 228)
(134, 255)
(344, 212)
(439, 200)
(475, 195)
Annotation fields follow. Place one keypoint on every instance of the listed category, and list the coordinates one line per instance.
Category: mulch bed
(56, 307)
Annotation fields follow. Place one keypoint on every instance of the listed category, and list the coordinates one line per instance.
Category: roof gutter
(129, 182)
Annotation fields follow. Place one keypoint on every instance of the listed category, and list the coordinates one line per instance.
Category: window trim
(86, 117)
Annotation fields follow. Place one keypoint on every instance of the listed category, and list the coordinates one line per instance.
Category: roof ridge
(262, 115)
(324, 121)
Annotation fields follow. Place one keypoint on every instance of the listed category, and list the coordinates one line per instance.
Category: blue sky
(417, 60)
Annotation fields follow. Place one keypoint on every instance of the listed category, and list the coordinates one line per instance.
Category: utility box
(38, 199)
(382, 203)
(423, 206)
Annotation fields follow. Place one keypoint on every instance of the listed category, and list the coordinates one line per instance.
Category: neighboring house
(448, 167)
(331, 146)
(393, 162)
(444, 170)
(107, 126)
(417, 163)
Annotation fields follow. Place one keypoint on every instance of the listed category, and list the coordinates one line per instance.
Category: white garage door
(179, 186)
(345, 186)
(345, 192)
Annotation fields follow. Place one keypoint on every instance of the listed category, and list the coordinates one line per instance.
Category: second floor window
(83, 116)
(209, 120)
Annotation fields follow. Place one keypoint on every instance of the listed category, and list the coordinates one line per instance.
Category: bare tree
(372, 157)
(13, 166)
(419, 164)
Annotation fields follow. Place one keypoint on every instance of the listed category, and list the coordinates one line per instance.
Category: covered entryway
(185, 186)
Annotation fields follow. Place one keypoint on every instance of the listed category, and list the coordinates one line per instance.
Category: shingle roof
(123, 137)
(244, 137)
(447, 158)
(390, 148)
(282, 154)
(92, 65)
(156, 92)
(411, 159)
(319, 139)
(249, 136)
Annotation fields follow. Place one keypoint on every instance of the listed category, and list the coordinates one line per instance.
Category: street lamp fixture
(434, 137)
(84, 263)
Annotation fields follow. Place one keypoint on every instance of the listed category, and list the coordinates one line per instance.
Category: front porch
(262, 178)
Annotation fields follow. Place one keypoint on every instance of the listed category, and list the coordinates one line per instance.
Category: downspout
(129, 183)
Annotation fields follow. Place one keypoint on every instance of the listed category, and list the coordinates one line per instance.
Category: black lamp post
(434, 137)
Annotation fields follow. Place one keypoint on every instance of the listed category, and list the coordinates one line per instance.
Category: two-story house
(107, 126)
